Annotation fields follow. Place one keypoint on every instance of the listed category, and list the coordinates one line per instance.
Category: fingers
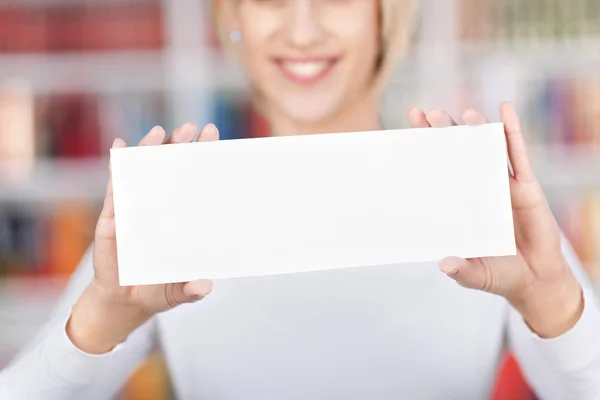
(468, 273)
(210, 133)
(473, 118)
(517, 151)
(417, 118)
(197, 290)
(184, 134)
(433, 119)
(439, 119)
(181, 293)
(155, 137)
(108, 209)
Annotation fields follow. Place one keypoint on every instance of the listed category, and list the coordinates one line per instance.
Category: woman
(318, 66)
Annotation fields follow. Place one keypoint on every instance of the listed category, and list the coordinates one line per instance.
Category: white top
(393, 332)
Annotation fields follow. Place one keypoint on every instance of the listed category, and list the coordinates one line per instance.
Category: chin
(306, 112)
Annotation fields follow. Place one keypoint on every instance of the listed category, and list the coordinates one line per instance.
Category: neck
(360, 116)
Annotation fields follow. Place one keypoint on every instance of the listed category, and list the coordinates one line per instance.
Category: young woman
(410, 332)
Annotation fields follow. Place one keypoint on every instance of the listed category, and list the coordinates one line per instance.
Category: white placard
(293, 204)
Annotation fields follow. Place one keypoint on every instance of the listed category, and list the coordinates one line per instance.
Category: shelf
(146, 71)
(574, 167)
(122, 71)
(81, 72)
(29, 292)
(534, 46)
(56, 181)
(25, 306)
(538, 56)
(436, 63)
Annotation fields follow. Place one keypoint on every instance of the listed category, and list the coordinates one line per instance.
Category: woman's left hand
(538, 282)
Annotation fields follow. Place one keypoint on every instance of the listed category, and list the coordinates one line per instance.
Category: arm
(554, 324)
(51, 367)
(568, 366)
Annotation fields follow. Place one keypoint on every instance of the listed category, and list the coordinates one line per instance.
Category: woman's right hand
(107, 313)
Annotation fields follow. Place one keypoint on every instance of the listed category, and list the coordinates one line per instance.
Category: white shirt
(393, 332)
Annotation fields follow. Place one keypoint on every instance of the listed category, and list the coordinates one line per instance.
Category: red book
(81, 27)
(75, 127)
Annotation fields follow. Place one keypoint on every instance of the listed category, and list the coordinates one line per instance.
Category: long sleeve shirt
(388, 332)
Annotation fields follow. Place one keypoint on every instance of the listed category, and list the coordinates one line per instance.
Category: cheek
(259, 25)
(360, 38)
(256, 44)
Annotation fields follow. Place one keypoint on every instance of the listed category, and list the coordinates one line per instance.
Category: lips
(306, 71)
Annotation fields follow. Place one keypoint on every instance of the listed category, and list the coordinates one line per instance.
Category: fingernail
(197, 297)
(156, 131)
(185, 133)
(212, 129)
(448, 269)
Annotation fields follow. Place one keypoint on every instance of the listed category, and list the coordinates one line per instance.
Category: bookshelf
(74, 75)
(83, 72)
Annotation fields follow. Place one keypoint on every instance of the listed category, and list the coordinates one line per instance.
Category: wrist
(96, 326)
(554, 309)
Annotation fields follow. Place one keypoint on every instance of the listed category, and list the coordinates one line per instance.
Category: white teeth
(306, 69)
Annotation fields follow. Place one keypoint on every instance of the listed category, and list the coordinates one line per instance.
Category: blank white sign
(293, 204)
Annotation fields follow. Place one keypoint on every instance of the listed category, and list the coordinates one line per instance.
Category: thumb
(468, 273)
(108, 209)
(189, 292)
(197, 290)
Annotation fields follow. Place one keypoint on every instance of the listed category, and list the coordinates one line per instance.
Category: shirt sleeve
(51, 367)
(566, 367)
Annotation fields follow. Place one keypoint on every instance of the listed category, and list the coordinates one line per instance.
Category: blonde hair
(397, 23)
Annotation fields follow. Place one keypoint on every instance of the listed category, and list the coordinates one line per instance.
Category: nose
(304, 28)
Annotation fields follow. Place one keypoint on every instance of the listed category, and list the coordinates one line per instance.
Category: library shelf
(572, 50)
(116, 72)
(55, 181)
(566, 166)
(153, 70)
(101, 72)
(25, 305)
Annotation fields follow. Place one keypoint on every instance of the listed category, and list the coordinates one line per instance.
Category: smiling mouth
(306, 71)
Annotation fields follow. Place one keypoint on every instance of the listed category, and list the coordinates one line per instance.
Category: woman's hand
(107, 313)
(537, 281)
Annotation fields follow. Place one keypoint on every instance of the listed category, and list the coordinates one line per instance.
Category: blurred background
(74, 74)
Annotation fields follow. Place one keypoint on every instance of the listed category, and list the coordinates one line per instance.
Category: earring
(235, 36)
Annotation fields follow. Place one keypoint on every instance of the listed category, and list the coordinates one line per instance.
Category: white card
(280, 205)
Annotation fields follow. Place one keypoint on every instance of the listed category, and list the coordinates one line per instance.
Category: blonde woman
(318, 66)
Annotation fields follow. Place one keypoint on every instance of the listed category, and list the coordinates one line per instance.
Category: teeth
(306, 69)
